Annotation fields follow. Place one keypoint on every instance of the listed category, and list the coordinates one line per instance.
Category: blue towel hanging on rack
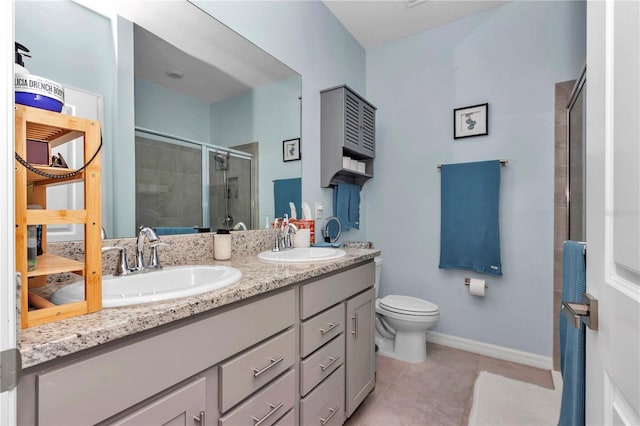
(469, 225)
(572, 340)
(285, 191)
(346, 205)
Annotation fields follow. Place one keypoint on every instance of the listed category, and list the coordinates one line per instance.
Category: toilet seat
(407, 305)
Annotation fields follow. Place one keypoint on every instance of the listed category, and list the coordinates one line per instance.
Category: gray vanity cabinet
(348, 128)
(360, 349)
(337, 369)
(297, 356)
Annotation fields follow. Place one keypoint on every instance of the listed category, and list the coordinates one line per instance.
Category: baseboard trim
(494, 351)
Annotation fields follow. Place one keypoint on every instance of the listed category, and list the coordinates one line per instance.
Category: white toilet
(401, 324)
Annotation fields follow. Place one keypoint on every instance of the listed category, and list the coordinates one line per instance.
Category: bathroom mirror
(211, 109)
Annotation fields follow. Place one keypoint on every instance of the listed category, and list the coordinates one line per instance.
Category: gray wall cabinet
(348, 128)
(288, 357)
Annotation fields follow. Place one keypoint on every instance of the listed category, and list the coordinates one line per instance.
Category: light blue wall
(267, 115)
(167, 111)
(309, 39)
(511, 57)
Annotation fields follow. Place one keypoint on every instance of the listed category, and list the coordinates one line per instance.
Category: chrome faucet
(145, 233)
(286, 235)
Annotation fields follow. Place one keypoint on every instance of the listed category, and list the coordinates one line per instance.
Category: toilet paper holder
(467, 281)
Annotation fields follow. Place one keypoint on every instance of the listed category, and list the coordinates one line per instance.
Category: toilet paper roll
(476, 287)
(301, 239)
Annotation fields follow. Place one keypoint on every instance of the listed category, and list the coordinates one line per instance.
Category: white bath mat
(498, 400)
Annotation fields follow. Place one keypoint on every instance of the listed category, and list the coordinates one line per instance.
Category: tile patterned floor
(438, 391)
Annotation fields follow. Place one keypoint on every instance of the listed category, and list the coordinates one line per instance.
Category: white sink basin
(302, 255)
(169, 283)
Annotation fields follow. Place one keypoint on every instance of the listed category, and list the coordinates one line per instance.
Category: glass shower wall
(168, 183)
(230, 189)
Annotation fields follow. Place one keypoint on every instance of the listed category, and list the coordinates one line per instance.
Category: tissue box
(309, 224)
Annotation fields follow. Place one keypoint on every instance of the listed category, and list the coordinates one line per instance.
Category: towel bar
(503, 162)
(587, 312)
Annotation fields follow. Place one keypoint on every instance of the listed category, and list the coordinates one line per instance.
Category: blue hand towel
(469, 229)
(175, 230)
(346, 205)
(572, 340)
(284, 192)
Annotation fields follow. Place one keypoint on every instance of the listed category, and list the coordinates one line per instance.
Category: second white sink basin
(172, 282)
(302, 255)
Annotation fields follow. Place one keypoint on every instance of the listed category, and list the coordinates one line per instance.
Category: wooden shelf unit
(57, 129)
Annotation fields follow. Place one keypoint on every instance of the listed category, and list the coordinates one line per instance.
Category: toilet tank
(378, 261)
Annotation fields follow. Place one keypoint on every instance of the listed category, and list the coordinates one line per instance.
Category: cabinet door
(185, 406)
(368, 130)
(360, 372)
(352, 121)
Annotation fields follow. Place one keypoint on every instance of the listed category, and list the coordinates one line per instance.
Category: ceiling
(375, 22)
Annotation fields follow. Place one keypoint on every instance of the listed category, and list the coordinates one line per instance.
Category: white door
(83, 104)
(613, 204)
(7, 222)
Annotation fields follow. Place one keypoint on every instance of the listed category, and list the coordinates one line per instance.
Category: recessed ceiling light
(412, 3)
(175, 74)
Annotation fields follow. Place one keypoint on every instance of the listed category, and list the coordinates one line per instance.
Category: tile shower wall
(168, 184)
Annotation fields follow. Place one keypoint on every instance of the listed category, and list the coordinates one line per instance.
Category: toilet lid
(408, 304)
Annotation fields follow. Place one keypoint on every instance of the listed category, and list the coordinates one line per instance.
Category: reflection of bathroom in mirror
(198, 94)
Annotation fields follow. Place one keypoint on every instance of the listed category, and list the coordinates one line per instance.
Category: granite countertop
(57, 339)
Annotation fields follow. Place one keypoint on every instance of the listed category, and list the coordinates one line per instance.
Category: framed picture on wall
(471, 121)
(291, 150)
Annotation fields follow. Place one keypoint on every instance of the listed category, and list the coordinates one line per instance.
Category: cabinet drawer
(321, 364)
(247, 372)
(266, 406)
(318, 330)
(325, 405)
(318, 295)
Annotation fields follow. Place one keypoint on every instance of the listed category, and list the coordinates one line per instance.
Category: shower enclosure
(229, 189)
(185, 184)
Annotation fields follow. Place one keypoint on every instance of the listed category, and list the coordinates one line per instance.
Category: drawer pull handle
(332, 359)
(200, 419)
(274, 408)
(273, 363)
(332, 411)
(355, 325)
(328, 329)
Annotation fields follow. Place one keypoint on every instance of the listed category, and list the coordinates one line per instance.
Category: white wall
(309, 39)
(510, 57)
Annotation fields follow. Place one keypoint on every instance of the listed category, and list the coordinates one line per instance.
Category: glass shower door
(229, 195)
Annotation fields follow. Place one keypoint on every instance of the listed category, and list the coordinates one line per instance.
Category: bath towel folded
(469, 226)
(175, 230)
(284, 192)
(346, 205)
(572, 340)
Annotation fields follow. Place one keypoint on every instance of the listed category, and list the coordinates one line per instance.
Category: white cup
(301, 239)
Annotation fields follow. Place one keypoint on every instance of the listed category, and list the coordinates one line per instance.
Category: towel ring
(325, 229)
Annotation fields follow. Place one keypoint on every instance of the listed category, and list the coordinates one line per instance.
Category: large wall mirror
(194, 116)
